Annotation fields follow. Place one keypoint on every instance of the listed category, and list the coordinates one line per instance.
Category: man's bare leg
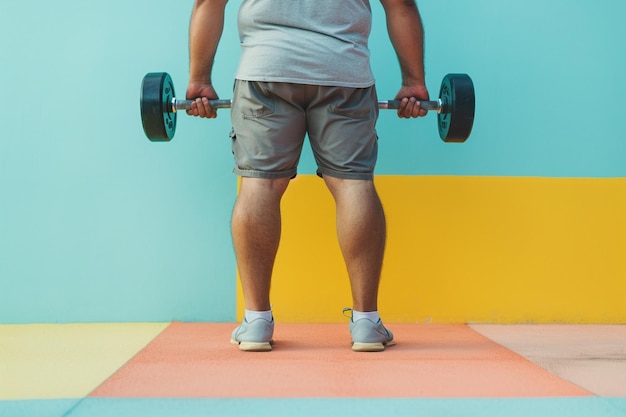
(361, 231)
(256, 228)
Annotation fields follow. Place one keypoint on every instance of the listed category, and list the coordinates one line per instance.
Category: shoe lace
(347, 310)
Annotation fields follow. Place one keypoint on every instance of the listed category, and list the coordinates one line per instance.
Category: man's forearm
(406, 32)
(205, 31)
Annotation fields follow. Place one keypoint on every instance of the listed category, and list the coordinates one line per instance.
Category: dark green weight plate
(458, 103)
(157, 118)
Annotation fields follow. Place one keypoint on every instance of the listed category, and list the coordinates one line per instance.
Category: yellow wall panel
(465, 249)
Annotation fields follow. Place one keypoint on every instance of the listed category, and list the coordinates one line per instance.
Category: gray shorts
(270, 121)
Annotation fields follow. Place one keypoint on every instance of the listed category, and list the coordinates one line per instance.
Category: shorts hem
(251, 173)
(346, 175)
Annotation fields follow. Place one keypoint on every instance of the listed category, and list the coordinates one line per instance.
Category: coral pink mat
(196, 360)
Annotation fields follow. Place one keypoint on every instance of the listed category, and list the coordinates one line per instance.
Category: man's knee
(338, 186)
(264, 187)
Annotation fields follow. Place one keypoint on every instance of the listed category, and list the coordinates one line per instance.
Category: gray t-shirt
(319, 42)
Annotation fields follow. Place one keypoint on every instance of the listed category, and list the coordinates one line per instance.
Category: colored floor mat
(195, 360)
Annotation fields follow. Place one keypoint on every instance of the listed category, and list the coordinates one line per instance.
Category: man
(305, 68)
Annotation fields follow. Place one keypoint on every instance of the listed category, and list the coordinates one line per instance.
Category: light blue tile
(37, 408)
(544, 407)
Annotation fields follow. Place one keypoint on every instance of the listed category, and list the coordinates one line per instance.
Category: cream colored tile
(41, 361)
(592, 356)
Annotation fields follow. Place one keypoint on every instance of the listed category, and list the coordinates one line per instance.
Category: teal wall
(548, 77)
(99, 224)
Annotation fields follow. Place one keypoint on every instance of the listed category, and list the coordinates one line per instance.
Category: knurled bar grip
(426, 105)
(186, 104)
(225, 104)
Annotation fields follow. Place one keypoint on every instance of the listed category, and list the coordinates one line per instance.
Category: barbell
(455, 107)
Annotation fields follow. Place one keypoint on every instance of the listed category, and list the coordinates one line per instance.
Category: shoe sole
(253, 346)
(371, 347)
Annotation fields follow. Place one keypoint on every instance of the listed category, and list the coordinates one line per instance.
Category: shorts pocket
(361, 114)
(358, 105)
(256, 102)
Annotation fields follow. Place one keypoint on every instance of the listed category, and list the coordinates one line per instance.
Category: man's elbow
(398, 3)
(213, 2)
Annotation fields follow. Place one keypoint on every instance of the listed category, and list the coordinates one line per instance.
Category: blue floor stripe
(518, 407)
(36, 408)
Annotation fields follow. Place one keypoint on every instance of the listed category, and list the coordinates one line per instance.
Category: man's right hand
(201, 93)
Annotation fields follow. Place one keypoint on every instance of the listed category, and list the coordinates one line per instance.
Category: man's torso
(320, 42)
